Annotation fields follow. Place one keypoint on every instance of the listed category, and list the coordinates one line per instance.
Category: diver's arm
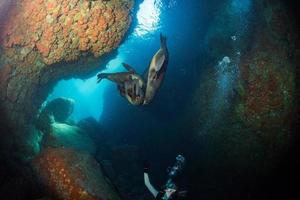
(153, 191)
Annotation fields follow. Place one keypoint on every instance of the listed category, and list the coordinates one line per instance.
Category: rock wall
(246, 103)
(244, 112)
(40, 42)
(72, 175)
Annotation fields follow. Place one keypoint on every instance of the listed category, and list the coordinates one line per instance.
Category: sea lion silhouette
(156, 70)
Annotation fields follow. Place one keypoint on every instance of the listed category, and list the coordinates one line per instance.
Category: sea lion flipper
(163, 41)
(128, 67)
(101, 76)
(118, 77)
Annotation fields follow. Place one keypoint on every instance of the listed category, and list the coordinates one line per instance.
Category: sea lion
(156, 71)
(118, 77)
(130, 84)
(134, 90)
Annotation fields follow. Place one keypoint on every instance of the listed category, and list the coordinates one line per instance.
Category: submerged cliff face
(246, 103)
(39, 40)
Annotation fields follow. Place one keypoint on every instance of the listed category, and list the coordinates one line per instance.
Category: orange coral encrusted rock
(75, 25)
(38, 39)
(71, 175)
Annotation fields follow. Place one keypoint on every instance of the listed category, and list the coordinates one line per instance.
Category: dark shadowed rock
(18, 181)
(123, 166)
(92, 127)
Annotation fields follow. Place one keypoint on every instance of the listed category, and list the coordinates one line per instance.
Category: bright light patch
(86, 87)
(88, 95)
(115, 64)
(148, 17)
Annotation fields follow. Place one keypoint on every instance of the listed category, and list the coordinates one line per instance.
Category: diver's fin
(163, 41)
(128, 67)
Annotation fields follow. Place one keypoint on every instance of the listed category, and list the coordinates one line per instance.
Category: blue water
(182, 22)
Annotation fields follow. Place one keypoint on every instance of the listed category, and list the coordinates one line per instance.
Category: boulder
(64, 135)
(68, 174)
(57, 110)
(61, 109)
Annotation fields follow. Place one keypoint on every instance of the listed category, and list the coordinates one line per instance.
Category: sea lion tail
(163, 41)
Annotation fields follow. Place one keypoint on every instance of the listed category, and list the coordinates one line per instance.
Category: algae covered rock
(61, 109)
(58, 132)
(64, 135)
(67, 174)
(57, 110)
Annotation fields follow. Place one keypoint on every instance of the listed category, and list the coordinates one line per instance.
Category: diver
(170, 189)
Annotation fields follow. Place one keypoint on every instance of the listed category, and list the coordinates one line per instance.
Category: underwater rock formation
(61, 30)
(122, 165)
(58, 131)
(69, 136)
(4, 8)
(39, 39)
(71, 175)
(19, 182)
(246, 106)
(93, 128)
(267, 85)
(60, 108)
(57, 110)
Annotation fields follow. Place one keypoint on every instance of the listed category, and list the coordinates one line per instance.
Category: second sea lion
(157, 70)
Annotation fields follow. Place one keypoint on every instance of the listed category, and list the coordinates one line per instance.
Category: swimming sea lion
(157, 70)
(134, 90)
(130, 84)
